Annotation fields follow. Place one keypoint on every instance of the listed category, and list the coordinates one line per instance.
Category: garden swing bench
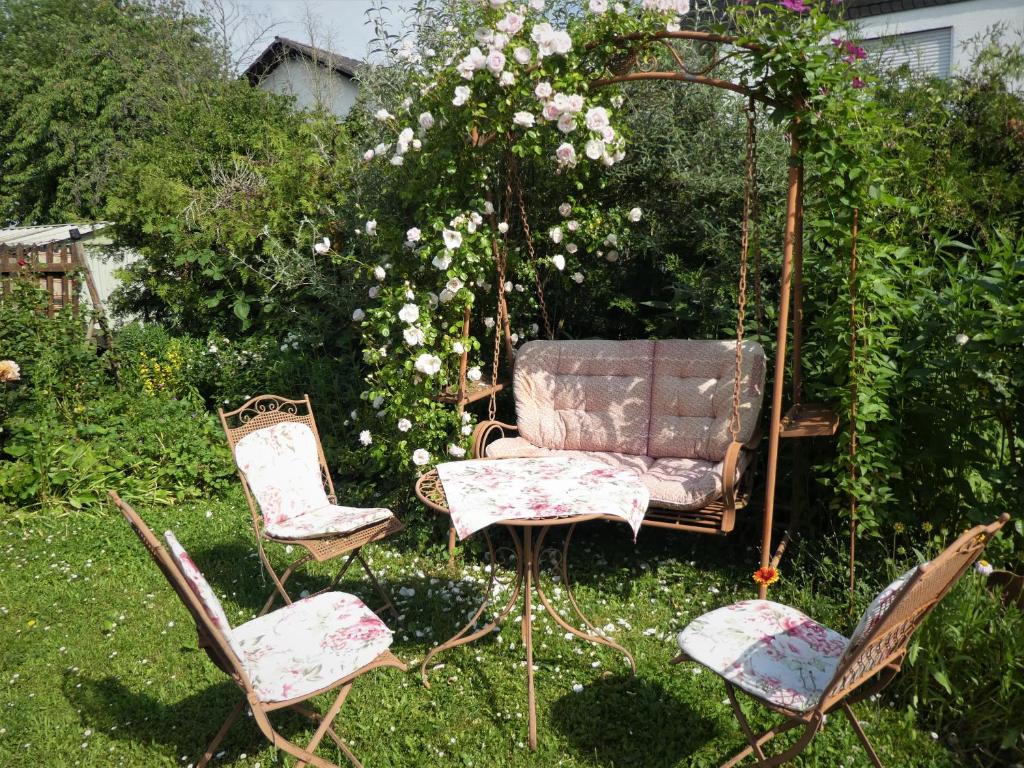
(683, 413)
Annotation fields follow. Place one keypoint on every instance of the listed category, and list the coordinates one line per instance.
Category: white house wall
(968, 20)
(311, 85)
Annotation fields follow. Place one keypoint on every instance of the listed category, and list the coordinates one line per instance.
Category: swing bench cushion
(661, 408)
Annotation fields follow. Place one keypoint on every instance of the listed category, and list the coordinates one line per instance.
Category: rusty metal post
(793, 204)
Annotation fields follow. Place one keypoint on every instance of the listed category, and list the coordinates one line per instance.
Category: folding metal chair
(802, 669)
(282, 659)
(290, 493)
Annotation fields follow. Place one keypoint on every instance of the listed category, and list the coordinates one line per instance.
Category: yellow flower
(926, 527)
(898, 527)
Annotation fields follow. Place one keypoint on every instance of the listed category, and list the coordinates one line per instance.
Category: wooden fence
(59, 270)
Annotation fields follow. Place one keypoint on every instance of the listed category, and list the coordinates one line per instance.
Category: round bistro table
(527, 539)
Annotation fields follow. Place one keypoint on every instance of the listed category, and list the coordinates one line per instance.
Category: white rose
(522, 54)
(473, 374)
(574, 103)
(420, 457)
(413, 235)
(598, 6)
(442, 261)
(417, 144)
(426, 121)
(445, 296)
(374, 292)
(409, 313)
(496, 62)
(368, 155)
(594, 149)
(555, 233)
(404, 425)
(565, 209)
(571, 247)
(323, 246)
(489, 322)
(543, 90)
(537, 5)
(962, 338)
(559, 261)
(572, 225)
(612, 239)
(453, 285)
(397, 160)
(365, 437)
(452, 239)
(379, 273)
(503, 227)
(525, 119)
(413, 336)
(462, 93)
(457, 451)
(378, 401)
(635, 214)
(577, 277)
(550, 111)
(506, 79)
(358, 315)
(382, 114)
(566, 124)
(428, 364)
(371, 227)
(566, 154)
(511, 24)
(597, 118)
(612, 256)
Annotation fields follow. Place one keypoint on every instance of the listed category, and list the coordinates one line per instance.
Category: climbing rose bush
(500, 92)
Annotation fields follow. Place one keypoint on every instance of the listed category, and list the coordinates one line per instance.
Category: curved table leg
(594, 636)
(464, 635)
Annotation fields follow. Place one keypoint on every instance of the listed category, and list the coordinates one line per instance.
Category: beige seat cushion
(673, 483)
(585, 395)
(691, 398)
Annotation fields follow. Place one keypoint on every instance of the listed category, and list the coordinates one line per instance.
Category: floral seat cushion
(281, 465)
(327, 521)
(308, 645)
(771, 651)
(673, 483)
(200, 586)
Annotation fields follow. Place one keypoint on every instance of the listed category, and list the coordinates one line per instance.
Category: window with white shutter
(927, 52)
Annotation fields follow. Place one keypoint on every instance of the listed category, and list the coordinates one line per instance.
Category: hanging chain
(529, 248)
(748, 194)
(500, 258)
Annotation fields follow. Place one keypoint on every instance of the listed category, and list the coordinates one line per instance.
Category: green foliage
(966, 675)
(84, 79)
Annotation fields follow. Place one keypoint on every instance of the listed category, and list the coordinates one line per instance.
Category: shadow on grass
(640, 723)
(188, 725)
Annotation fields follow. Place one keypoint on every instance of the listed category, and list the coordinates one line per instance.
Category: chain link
(529, 248)
(748, 195)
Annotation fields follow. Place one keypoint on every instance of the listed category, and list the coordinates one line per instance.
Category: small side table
(527, 539)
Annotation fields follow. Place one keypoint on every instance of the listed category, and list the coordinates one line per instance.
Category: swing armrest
(483, 432)
(729, 479)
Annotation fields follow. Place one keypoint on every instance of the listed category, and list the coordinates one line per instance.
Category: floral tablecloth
(483, 492)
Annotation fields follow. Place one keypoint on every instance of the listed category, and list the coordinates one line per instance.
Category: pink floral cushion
(672, 483)
(878, 607)
(200, 586)
(771, 651)
(308, 645)
(282, 468)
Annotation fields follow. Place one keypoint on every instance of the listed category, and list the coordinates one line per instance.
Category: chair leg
(280, 582)
(232, 718)
(744, 725)
(388, 605)
(451, 546)
(325, 726)
(862, 736)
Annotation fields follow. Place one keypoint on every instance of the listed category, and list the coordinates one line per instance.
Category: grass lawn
(99, 665)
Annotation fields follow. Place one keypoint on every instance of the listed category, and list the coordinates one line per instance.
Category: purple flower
(799, 6)
(857, 83)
